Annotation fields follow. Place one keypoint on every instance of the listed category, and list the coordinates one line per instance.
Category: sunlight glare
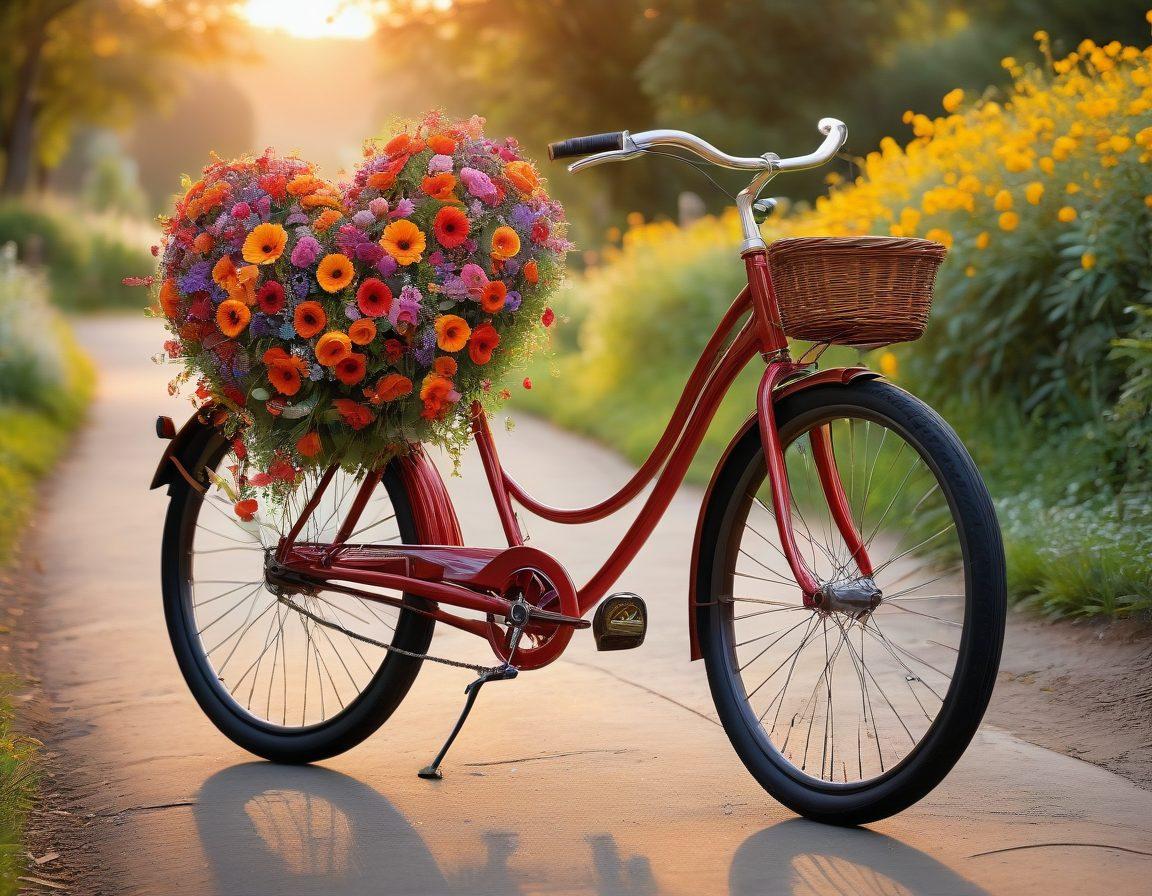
(311, 18)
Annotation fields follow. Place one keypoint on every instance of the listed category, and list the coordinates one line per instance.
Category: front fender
(185, 446)
(837, 375)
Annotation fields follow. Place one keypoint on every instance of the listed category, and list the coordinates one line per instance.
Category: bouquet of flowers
(347, 324)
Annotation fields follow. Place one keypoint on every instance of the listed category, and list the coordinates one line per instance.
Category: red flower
(539, 231)
(493, 296)
(527, 382)
(451, 227)
(483, 343)
(374, 298)
(239, 449)
(354, 414)
(270, 297)
(351, 368)
(309, 444)
(393, 350)
(246, 509)
(548, 317)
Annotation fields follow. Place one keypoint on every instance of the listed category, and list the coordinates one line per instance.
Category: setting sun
(311, 18)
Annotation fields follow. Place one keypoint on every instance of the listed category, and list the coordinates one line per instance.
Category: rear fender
(696, 611)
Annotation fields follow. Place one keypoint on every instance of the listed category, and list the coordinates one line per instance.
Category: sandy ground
(603, 774)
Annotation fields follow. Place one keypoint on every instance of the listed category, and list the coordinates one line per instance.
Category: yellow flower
(1003, 201)
(1066, 215)
(1120, 143)
(970, 271)
(889, 366)
(1009, 221)
(983, 240)
(939, 235)
(952, 100)
(1088, 260)
(1148, 200)
(1047, 165)
(1034, 192)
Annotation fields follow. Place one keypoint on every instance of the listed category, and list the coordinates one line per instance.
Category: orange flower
(440, 186)
(203, 243)
(303, 184)
(522, 176)
(316, 200)
(223, 271)
(442, 144)
(284, 370)
(381, 180)
(493, 296)
(169, 298)
(483, 343)
(446, 366)
(309, 445)
(332, 348)
(389, 388)
(451, 227)
(404, 241)
(354, 414)
(452, 332)
(326, 219)
(435, 392)
(351, 368)
(239, 283)
(232, 317)
(399, 144)
(531, 273)
(246, 509)
(265, 244)
(362, 331)
(335, 272)
(309, 319)
(505, 243)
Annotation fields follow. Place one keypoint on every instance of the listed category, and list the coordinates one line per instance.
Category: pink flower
(479, 184)
(306, 251)
(241, 210)
(378, 206)
(474, 278)
(439, 164)
(403, 209)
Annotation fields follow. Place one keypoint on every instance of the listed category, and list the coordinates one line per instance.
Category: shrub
(85, 255)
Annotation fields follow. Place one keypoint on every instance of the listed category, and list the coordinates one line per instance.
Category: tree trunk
(20, 142)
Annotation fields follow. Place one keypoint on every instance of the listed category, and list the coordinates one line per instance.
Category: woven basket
(864, 290)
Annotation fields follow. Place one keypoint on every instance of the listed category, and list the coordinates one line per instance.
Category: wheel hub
(853, 597)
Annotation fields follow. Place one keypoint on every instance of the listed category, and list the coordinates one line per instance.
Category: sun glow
(311, 18)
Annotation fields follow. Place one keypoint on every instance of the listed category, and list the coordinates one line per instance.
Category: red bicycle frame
(446, 573)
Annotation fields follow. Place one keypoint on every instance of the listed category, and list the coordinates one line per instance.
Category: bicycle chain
(458, 664)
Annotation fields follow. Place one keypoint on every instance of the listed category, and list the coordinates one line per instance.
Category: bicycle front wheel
(848, 715)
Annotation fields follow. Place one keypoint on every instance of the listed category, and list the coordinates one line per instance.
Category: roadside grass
(45, 385)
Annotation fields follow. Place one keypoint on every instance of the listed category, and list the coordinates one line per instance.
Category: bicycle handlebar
(621, 146)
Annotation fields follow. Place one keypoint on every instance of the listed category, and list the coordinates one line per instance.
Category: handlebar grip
(584, 146)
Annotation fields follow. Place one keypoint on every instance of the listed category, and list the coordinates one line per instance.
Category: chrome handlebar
(633, 145)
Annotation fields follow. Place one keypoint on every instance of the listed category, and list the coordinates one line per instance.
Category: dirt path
(605, 773)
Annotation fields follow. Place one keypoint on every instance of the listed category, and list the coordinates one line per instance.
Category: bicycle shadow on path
(291, 831)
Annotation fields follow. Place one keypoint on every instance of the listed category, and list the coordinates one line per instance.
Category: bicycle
(847, 592)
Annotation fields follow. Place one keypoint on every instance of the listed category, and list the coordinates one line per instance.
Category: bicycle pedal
(621, 622)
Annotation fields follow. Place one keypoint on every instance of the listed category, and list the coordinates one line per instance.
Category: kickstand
(501, 673)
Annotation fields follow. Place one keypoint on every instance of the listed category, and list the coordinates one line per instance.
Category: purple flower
(479, 185)
(296, 218)
(352, 312)
(454, 287)
(378, 206)
(522, 217)
(406, 307)
(264, 206)
(403, 209)
(301, 284)
(262, 325)
(305, 252)
(197, 278)
(349, 237)
(512, 301)
(425, 350)
(386, 265)
(370, 252)
(363, 219)
(439, 164)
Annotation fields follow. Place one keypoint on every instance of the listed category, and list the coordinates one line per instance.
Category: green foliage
(17, 790)
(86, 256)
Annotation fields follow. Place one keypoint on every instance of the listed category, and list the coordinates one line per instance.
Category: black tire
(281, 743)
(981, 559)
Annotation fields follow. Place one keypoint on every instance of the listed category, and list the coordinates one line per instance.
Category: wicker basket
(865, 290)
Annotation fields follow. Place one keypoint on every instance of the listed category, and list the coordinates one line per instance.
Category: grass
(45, 386)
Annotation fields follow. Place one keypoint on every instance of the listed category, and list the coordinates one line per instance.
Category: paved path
(605, 773)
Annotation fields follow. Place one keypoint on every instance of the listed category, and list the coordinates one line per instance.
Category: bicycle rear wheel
(274, 680)
(848, 715)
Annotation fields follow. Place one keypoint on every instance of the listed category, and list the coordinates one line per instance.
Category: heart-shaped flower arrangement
(346, 325)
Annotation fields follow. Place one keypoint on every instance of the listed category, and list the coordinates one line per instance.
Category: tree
(97, 62)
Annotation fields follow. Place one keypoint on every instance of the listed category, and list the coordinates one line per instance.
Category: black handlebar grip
(585, 146)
